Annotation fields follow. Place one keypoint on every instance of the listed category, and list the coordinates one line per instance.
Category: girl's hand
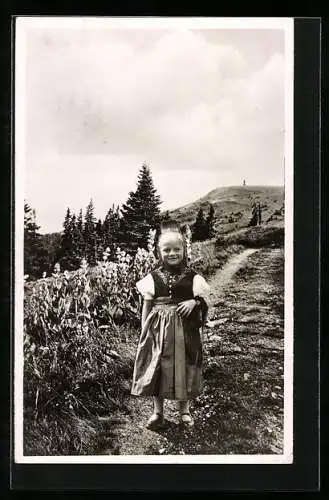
(185, 308)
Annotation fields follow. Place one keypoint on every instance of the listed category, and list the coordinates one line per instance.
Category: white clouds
(107, 98)
(177, 100)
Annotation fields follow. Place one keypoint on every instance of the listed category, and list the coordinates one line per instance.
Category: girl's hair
(171, 226)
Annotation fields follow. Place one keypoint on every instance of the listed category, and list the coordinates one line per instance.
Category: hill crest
(233, 206)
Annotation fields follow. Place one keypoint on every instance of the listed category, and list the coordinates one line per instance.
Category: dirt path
(241, 407)
(224, 275)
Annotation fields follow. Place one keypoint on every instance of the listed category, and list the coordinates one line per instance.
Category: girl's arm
(147, 306)
(200, 290)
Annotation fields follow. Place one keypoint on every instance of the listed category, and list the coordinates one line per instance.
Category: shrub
(204, 259)
(74, 324)
(210, 255)
(258, 236)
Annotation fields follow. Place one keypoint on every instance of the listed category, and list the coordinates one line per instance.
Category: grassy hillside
(233, 206)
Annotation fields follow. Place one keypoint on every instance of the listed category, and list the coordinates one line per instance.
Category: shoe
(187, 420)
(155, 421)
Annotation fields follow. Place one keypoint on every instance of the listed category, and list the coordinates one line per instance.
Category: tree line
(85, 236)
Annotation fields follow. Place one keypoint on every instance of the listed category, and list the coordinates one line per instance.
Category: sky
(204, 108)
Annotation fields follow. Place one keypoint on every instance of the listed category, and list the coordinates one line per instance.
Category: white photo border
(24, 23)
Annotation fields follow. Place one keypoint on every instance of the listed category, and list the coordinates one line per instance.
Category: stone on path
(215, 322)
(257, 308)
(215, 338)
(248, 319)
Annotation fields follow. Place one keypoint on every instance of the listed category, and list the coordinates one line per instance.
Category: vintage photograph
(153, 240)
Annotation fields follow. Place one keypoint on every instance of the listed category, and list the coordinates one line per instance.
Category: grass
(214, 255)
(61, 428)
(217, 251)
(258, 236)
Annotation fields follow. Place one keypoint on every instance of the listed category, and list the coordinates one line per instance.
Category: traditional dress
(169, 354)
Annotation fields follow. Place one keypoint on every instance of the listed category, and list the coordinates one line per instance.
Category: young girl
(169, 355)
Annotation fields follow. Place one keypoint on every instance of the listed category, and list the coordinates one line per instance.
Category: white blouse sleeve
(145, 286)
(200, 287)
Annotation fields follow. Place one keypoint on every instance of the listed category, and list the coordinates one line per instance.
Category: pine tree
(259, 214)
(99, 239)
(165, 216)
(141, 212)
(30, 219)
(89, 223)
(99, 228)
(80, 222)
(77, 242)
(35, 254)
(254, 216)
(79, 238)
(111, 228)
(199, 228)
(51, 242)
(210, 222)
(67, 256)
(89, 234)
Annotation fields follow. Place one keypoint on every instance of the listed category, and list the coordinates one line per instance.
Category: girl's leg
(185, 416)
(156, 418)
(184, 407)
(158, 405)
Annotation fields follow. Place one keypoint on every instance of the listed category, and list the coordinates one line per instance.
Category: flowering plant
(188, 237)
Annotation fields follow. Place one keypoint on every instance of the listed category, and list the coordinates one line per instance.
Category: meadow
(80, 334)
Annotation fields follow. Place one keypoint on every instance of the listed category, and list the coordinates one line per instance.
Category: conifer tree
(79, 237)
(67, 220)
(99, 228)
(165, 216)
(210, 222)
(89, 234)
(99, 239)
(77, 242)
(259, 214)
(141, 212)
(254, 216)
(80, 221)
(67, 253)
(199, 228)
(35, 254)
(111, 228)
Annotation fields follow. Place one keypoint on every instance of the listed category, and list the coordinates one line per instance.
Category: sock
(158, 405)
(184, 406)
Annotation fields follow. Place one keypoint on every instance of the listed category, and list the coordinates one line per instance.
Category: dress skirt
(169, 354)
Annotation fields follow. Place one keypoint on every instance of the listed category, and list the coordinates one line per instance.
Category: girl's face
(171, 249)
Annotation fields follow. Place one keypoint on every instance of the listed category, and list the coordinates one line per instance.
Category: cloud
(100, 102)
(184, 99)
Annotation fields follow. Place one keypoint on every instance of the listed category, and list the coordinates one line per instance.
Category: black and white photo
(154, 240)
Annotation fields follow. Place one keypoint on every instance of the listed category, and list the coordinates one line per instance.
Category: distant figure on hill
(244, 183)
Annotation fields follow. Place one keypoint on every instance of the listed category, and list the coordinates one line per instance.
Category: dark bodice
(174, 286)
(179, 287)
